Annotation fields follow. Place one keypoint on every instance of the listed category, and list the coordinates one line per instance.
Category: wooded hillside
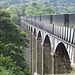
(62, 6)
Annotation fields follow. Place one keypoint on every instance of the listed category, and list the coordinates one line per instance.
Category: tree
(15, 13)
(30, 10)
(12, 41)
(7, 66)
(22, 8)
(15, 18)
(47, 10)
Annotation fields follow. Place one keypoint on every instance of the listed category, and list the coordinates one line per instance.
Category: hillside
(62, 6)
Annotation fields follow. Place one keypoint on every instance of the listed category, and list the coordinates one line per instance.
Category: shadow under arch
(47, 59)
(34, 33)
(39, 53)
(39, 35)
(61, 60)
(31, 29)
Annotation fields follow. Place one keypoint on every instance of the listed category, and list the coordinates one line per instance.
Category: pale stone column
(74, 55)
(73, 64)
(52, 54)
(30, 53)
(32, 56)
(39, 56)
(42, 56)
(31, 49)
(47, 59)
(36, 53)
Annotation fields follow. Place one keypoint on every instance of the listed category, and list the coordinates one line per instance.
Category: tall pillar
(34, 52)
(73, 64)
(47, 60)
(74, 55)
(42, 58)
(52, 55)
(32, 55)
(31, 48)
(39, 56)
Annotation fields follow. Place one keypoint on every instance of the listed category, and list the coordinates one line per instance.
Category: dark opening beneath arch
(62, 61)
(39, 35)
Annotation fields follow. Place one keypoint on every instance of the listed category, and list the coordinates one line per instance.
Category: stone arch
(47, 40)
(47, 59)
(61, 60)
(39, 53)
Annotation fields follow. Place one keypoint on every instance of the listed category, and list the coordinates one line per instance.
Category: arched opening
(34, 32)
(39, 53)
(39, 35)
(47, 59)
(62, 61)
(31, 29)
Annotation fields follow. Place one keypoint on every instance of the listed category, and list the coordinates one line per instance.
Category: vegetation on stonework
(12, 41)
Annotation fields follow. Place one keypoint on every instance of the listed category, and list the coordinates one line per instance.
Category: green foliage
(36, 9)
(8, 64)
(30, 10)
(12, 41)
(14, 10)
(15, 18)
(15, 13)
(47, 9)
(4, 71)
(26, 10)
(22, 8)
(62, 6)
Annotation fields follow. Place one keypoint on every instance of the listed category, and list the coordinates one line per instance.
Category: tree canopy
(62, 6)
(26, 10)
(12, 41)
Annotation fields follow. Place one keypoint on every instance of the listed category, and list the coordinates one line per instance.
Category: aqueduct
(52, 43)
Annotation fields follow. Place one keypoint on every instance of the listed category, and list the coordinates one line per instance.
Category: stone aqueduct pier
(52, 43)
